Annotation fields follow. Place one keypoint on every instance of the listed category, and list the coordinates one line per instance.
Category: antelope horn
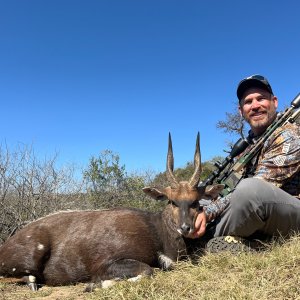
(170, 165)
(197, 164)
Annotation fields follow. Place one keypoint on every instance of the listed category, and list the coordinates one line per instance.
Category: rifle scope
(296, 102)
(236, 150)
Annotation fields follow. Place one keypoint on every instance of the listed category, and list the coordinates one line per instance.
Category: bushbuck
(105, 245)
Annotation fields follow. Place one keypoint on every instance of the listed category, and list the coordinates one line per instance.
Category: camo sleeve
(279, 160)
(215, 208)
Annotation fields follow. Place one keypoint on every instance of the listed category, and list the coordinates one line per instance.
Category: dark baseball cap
(253, 81)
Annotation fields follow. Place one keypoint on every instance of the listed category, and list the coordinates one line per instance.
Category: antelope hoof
(31, 282)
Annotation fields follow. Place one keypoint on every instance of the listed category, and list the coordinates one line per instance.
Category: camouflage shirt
(278, 163)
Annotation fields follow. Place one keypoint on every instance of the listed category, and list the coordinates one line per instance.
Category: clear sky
(79, 77)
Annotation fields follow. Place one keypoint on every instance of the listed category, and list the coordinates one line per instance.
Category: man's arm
(280, 157)
(216, 207)
(210, 212)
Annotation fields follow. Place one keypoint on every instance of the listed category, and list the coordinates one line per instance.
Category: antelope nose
(185, 228)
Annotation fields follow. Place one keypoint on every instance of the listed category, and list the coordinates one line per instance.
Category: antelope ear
(155, 193)
(214, 190)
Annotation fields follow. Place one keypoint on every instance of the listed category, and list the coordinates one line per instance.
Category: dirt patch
(21, 292)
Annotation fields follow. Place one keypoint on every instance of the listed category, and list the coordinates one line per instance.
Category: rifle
(230, 172)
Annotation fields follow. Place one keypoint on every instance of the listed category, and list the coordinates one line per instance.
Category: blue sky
(79, 77)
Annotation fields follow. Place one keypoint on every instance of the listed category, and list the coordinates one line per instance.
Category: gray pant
(257, 206)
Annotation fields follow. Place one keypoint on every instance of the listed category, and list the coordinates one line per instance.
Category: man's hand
(200, 225)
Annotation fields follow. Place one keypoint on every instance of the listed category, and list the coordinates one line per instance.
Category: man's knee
(250, 191)
(253, 187)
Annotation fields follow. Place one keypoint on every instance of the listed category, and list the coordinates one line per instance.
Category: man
(266, 202)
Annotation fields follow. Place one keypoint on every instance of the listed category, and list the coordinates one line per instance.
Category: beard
(259, 123)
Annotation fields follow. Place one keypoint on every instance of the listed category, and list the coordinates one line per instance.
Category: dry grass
(273, 274)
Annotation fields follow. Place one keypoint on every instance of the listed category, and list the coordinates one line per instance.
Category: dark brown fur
(92, 246)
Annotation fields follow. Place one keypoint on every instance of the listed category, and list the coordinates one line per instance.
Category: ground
(21, 292)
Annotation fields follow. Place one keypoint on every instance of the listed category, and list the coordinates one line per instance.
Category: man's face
(258, 107)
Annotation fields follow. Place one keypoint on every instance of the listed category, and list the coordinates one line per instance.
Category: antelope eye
(173, 203)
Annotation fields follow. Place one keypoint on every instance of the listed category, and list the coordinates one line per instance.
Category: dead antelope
(96, 246)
